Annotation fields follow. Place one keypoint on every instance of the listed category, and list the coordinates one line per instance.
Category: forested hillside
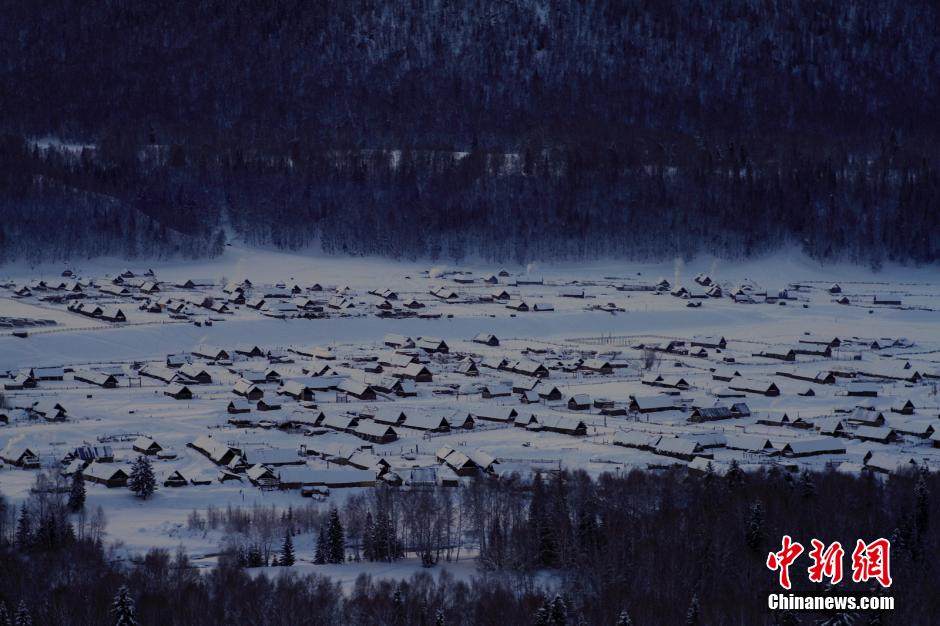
(505, 129)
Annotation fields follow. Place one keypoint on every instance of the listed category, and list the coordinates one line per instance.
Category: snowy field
(599, 367)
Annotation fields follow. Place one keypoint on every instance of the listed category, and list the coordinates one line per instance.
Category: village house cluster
(412, 410)
(140, 297)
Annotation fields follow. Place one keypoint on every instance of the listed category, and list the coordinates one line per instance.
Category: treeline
(381, 525)
(577, 203)
(59, 206)
(641, 548)
(507, 130)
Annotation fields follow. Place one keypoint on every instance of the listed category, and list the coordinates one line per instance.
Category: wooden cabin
(710, 414)
(486, 339)
(680, 448)
(146, 446)
(360, 391)
(106, 474)
(813, 447)
(239, 405)
(178, 392)
(374, 432)
(579, 402)
(101, 379)
(709, 341)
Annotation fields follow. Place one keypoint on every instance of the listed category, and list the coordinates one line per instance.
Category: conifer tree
(559, 521)
(559, 611)
(255, 556)
(393, 543)
(142, 480)
(77, 493)
(24, 529)
(540, 527)
(398, 607)
(495, 546)
(368, 544)
(385, 545)
(587, 529)
(543, 617)
(692, 615)
(922, 496)
(807, 485)
(734, 476)
(122, 608)
(23, 617)
(755, 527)
(336, 539)
(379, 537)
(47, 534)
(320, 555)
(287, 551)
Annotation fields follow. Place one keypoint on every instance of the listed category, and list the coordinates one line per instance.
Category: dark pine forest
(503, 129)
(644, 548)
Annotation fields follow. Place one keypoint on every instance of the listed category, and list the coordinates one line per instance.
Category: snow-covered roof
(645, 403)
(373, 429)
(889, 462)
(426, 421)
(272, 456)
(636, 439)
(873, 432)
(104, 471)
(677, 445)
(815, 445)
(750, 443)
(306, 475)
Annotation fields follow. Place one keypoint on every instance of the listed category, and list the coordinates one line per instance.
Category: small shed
(486, 339)
(147, 446)
(178, 392)
(579, 402)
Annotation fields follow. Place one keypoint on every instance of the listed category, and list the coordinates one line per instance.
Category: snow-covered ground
(907, 336)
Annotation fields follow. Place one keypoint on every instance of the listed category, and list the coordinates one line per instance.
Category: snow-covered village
(258, 388)
(429, 313)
